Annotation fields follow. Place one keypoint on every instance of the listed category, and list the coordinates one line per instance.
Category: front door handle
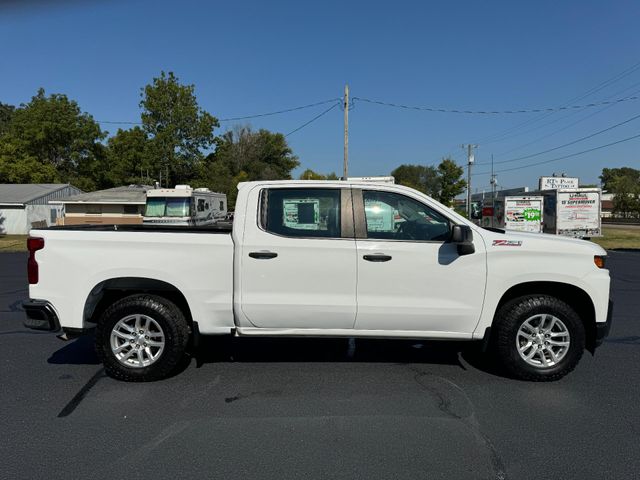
(263, 255)
(377, 257)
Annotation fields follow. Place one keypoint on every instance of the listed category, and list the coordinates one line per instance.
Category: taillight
(33, 245)
(599, 260)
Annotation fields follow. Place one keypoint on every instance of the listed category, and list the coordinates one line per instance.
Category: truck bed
(197, 261)
(225, 228)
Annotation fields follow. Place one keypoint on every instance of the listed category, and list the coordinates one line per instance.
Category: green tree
(610, 177)
(626, 198)
(244, 155)
(6, 113)
(50, 140)
(263, 155)
(179, 130)
(309, 174)
(421, 177)
(450, 181)
(129, 157)
(624, 183)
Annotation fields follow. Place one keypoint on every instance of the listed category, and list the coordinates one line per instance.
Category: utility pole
(345, 169)
(493, 182)
(470, 160)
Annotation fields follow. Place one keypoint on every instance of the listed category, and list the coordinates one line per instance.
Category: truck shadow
(77, 352)
(360, 350)
(300, 350)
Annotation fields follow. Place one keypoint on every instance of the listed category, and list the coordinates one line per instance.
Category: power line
(563, 157)
(232, 119)
(496, 112)
(246, 117)
(118, 123)
(505, 133)
(555, 131)
(313, 119)
(546, 124)
(567, 144)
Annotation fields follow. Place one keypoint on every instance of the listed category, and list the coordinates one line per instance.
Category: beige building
(119, 205)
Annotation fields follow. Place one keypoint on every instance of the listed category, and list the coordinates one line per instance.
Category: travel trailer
(185, 206)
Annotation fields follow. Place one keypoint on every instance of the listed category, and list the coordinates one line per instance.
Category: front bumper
(40, 316)
(603, 328)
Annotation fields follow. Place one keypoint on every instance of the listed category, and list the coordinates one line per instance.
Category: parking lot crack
(241, 396)
(82, 393)
(454, 405)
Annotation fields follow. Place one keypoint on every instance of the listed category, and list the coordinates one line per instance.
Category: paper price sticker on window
(302, 213)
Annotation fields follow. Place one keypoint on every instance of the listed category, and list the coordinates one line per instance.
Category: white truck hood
(539, 241)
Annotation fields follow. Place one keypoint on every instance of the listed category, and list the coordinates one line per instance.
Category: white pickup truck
(320, 258)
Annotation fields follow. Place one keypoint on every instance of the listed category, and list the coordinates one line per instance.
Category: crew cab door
(410, 277)
(297, 265)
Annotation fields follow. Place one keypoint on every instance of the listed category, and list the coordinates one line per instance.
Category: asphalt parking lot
(292, 408)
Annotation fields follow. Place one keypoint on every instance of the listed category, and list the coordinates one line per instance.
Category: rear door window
(302, 212)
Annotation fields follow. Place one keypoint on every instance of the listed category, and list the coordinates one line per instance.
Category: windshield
(167, 207)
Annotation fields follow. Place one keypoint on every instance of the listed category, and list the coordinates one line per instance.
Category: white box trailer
(523, 213)
(573, 212)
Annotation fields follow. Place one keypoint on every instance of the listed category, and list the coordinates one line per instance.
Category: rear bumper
(40, 316)
(603, 328)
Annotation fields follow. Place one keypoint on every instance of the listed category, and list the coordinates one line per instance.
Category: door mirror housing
(462, 236)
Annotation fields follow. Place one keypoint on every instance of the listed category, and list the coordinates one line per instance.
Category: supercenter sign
(558, 183)
(579, 211)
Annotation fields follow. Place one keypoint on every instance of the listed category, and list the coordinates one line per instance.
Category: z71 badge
(507, 243)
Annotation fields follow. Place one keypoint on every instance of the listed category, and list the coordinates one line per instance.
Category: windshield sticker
(507, 243)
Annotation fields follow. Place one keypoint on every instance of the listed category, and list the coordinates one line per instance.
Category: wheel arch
(109, 291)
(574, 296)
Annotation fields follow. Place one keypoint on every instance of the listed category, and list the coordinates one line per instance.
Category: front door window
(392, 216)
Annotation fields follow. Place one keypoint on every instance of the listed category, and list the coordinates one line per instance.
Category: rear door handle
(263, 255)
(377, 257)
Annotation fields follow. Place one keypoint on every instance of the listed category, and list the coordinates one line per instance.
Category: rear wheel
(538, 337)
(142, 338)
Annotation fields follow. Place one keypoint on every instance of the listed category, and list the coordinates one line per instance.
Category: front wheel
(538, 337)
(142, 338)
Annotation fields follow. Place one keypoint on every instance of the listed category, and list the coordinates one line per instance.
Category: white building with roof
(26, 205)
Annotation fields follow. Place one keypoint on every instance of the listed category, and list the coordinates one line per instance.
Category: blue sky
(252, 57)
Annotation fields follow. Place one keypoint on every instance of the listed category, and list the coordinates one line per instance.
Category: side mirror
(462, 235)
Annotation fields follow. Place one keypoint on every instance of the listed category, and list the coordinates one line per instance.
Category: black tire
(508, 321)
(176, 337)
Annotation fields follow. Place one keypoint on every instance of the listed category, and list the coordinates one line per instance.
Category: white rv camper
(184, 205)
